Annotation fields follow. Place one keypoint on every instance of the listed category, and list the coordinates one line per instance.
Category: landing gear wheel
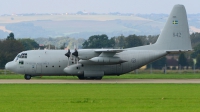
(27, 77)
(98, 78)
(93, 78)
(90, 78)
(81, 77)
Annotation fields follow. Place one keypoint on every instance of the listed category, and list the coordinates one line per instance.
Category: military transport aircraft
(96, 63)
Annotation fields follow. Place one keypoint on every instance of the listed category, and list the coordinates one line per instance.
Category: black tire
(90, 78)
(98, 78)
(81, 77)
(27, 77)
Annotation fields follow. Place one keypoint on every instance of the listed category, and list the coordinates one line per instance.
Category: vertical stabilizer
(175, 35)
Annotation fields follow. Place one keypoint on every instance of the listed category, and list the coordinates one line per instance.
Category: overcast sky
(98, 6)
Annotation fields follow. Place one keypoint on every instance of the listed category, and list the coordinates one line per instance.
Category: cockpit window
(23, 55)
(16, 58)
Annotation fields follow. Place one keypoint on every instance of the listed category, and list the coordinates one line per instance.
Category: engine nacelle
(86, 54)
(73, 70)
(76, 70)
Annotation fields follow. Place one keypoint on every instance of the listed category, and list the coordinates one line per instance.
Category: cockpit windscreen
(21, 55)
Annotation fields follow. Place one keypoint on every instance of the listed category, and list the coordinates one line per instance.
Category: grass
(125, 76)
(142, 74)
(100, 97)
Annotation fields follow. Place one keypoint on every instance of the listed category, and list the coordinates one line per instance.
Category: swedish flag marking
(175, 22)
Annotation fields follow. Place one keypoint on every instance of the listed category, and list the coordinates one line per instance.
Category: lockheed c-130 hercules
(96, 63)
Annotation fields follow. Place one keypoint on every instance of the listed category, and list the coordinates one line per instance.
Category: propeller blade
(68, 55)
(75, 54)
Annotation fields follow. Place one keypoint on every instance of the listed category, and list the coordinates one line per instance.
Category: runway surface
(112, 81)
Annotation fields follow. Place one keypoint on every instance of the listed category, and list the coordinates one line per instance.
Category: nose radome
(7, 66)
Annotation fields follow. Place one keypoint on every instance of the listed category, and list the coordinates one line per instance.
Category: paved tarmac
(46, 81)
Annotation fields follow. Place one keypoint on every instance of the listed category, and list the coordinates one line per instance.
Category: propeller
(75, 53)
(68, 55)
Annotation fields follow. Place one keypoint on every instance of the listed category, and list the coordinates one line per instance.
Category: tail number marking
(177, 34)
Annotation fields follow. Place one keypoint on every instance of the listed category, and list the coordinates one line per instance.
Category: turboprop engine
(74, 69)
(100, 56)
(103, 56)
(92, 57)
(78, 69)
(86, 54)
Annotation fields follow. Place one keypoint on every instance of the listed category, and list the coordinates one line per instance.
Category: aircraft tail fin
(175, 35)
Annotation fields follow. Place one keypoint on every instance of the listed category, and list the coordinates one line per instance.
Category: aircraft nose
(8, 66)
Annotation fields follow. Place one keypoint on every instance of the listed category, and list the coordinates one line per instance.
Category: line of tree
(102, 41)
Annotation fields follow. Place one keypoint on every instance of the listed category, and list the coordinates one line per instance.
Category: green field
(125, 76)
(100, 97)
(142, 74)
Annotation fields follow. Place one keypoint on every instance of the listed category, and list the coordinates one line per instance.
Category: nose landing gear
(27, 77)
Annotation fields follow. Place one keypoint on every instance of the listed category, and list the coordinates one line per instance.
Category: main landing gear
(81, 77)
(27, 77)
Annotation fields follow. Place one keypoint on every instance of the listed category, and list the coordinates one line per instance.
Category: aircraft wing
(107, 56)
(109, 50)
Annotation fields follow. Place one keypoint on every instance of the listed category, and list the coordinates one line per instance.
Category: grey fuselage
(53, 63)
